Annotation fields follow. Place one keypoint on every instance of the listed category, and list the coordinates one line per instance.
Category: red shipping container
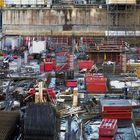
(116, 109)
(106, 138)
(51, 92)
(117, 115)
(85, 64)
(115, 105)
(71, 83)
(108, 127)
(96, 83)
(48, 66)
(53, 60)
(96, 87)
(95, 78)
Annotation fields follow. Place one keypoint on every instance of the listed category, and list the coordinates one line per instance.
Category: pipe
(135, 132)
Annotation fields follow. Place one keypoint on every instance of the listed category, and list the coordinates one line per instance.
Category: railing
(110, 46)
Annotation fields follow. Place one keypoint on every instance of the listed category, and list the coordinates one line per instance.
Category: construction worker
(126, 89)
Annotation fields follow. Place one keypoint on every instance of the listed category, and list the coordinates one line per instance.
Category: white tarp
(119, 85)
(37, 47)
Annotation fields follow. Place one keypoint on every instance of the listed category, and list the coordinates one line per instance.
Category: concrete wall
(41, 20)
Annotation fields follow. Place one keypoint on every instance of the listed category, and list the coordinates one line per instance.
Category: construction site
(69, 69)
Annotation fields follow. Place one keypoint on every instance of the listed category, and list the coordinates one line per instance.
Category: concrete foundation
(37, 21)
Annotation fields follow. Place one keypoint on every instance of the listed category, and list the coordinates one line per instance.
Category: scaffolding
(119, 23)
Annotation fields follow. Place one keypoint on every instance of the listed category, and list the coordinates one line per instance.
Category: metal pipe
(135, 132)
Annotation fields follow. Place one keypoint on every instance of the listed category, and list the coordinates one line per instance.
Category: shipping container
(96, 83)
(121, 115)
(71, 83)
(116, 109)
(96, 87)
(108, 127)
(48, 66)
(95, 78)
(85, 64)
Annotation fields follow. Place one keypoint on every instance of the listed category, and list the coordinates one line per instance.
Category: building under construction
(69, 69)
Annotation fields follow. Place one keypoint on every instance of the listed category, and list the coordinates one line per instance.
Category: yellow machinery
(138, 73)
(1, 3)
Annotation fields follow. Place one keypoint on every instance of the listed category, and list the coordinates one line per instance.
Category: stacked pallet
(8, 124)
(40, 122)
(116, 109)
